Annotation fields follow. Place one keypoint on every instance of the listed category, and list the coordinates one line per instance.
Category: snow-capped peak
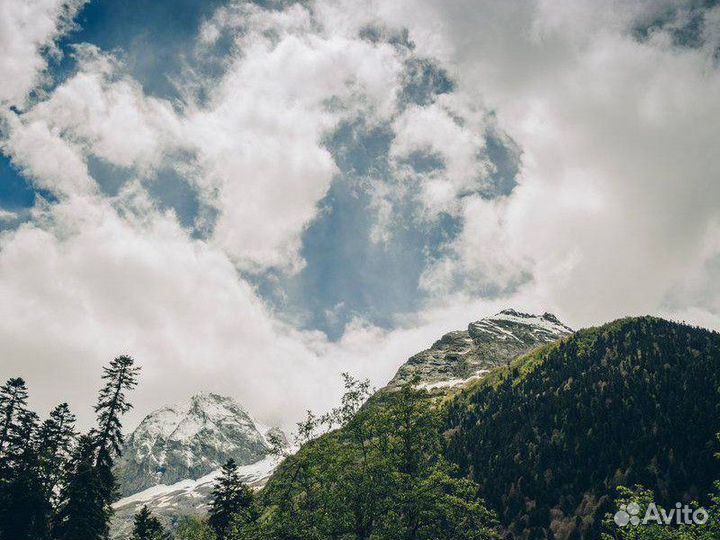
(465, 355)
(546, 327)
(188, 440)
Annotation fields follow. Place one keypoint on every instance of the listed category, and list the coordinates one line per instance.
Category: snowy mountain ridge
(190, 439)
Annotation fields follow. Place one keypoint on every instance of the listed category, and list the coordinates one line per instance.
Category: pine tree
(230, 498)
(13, 400)
(147, 527)
(84, 512)
(90, 490)
(24, 509)
(120, 376)
(56, 438)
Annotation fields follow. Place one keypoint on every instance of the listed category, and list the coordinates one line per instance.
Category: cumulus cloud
(27, 31)
(615, 209)
(103, 275)
(102, 279)
(455, 134)
(618, 167)
(260, 141)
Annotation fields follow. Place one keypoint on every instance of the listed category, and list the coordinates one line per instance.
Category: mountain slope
(188, 440)
(466, 355)
(187, 497)
(550, 437)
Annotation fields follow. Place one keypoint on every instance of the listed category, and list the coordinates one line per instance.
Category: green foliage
(120, 376)
(13, 401)
(24, 506)
(51, 487)
(232, 500)
(56, 440)
(652, 530)
(550, 437)
(379, 474)
(147, 527)
(85, 508)
(193, 528)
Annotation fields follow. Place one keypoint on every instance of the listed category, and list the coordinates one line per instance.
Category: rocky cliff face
(188, 440)
(465, 355)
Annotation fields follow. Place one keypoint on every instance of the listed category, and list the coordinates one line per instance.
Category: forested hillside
(544, 442)
(549, 438)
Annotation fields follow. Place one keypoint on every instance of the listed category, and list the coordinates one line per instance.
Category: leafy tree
(194, 528)
(230, 498)
(428, 501)
(147, 527)
(378, 473)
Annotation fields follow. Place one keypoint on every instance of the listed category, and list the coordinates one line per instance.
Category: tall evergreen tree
(13, 400)
(55, 441)
(90, 489)
(230, 498)
(120, 376)
(147, 527)
(84, 512)
(24, 509)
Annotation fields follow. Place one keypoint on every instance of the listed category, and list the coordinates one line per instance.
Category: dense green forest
(546, 443)
(381, 474)
(540, 449)
(551, 437)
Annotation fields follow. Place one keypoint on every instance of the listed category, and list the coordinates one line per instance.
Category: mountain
(187, 497)
(550, 437)
(170, 461)
(462, 356)
(545, 438)
(188, 440)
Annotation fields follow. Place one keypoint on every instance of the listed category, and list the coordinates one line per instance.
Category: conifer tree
(120, 376)
(147, 526)
(84, 512)
(13, 400)
(230, 498)
(90, 489)
(24, 509)
(55, 440)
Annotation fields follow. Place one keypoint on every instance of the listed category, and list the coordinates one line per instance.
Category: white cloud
(102, 276)
(84, 284)
(27, 29)
(88, 280)
(617, 141)
(260, 140)
(7, 215)
(455, 132)
(108, 114)
(256, 144)
(616, 211)
(54, 163)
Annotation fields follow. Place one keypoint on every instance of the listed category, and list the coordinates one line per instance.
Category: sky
(251, 197)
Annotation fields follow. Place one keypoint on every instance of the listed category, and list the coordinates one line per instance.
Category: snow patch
(163, 494)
